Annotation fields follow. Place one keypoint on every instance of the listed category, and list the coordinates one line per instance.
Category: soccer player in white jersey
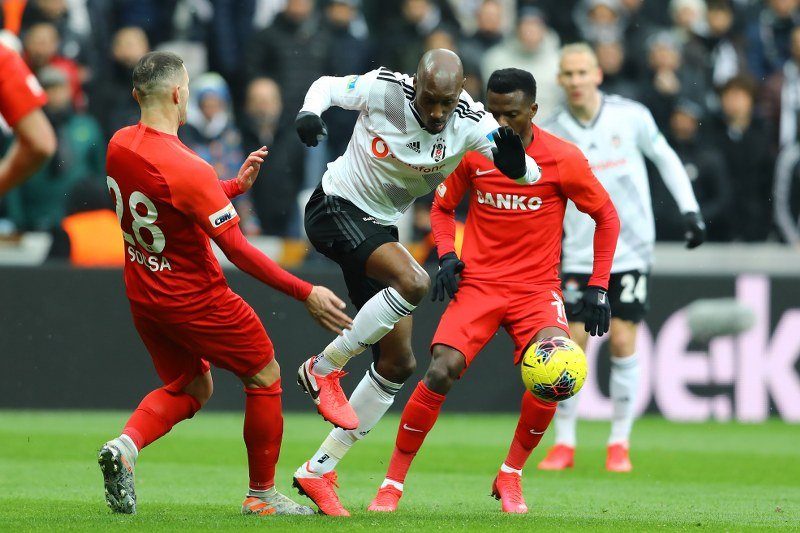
(615, 134)
(411, 133)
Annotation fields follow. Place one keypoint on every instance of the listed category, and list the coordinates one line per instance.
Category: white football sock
(508, 470)
(374, 320)
(370, 400)
(566, 421)
(128, 442)
(623, 387)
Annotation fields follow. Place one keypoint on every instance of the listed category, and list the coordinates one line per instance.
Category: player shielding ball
(169, 203)
(410, 134)
(509, 277)
(615, 134)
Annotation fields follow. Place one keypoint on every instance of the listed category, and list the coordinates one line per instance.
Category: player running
(509, 277)
(411, 133)
(21, 101)
(169, 202)
(614, 133)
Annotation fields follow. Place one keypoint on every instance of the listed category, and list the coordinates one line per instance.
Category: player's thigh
(471, 318)
(231, 337)
(531, 311)
(176, 366)
(343, 232)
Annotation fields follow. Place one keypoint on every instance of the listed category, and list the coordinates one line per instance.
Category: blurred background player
(498, 287)
(615, 134)
(410, 134)
(21, 101)
(169, 202)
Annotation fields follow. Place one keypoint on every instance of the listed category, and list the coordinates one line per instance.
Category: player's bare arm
(35, 143)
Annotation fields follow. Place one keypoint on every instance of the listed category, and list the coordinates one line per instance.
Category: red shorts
(480, 308)
(231, 337)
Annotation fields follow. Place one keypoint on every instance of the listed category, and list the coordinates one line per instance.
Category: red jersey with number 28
(20, 92)
(513, 232)
(169, 202)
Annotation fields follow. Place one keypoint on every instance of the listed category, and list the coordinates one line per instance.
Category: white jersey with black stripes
(616, 142)
(391, 159)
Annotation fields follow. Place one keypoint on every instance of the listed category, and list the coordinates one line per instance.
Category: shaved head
(438, 84)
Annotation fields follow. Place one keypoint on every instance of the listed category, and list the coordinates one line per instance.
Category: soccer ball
(554, 369)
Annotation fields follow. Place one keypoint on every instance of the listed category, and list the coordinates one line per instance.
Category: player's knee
(443, 372)
(265, 377)
(414, 285)
(201, 388)
(399, 370)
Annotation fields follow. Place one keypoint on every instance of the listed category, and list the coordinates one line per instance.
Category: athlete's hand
(446, 282)
(310, 127)
(326, 308)
(594, 310)
(695, 229)
(249, 172)
(508, 153)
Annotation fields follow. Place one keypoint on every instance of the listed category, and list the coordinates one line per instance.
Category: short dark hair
(509, 80)
(154, 71)
(743, 82)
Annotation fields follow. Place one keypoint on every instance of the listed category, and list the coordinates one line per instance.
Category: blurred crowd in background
(721, 77)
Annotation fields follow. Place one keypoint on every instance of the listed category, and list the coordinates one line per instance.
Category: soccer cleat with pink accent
(273, 504)
(559, 457)
(320, 489)
(618, 459)
(507, 488)
(386, 500)
(117, 463)
(327, 395)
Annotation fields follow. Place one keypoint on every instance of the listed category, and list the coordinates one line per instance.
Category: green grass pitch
(712, 477)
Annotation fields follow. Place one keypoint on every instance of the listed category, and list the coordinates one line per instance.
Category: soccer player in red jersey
(169, 202)
(509, 277)
(21, 101)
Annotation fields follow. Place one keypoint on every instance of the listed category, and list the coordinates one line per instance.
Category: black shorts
(346, 234)
(627, 293)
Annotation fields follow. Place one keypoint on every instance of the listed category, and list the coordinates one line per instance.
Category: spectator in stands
(780, 98)
(533, 47)
(600, 20)
(40, 203)
(787, 194)
(744, 142)
(402, 42)
(40, 45)
(768, 36)
(211, 132)
(616, 77)
(706, 169)
(489, 32)
(111, 100)
(668, 80)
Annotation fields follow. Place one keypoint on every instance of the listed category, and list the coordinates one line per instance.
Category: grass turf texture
(720, 477)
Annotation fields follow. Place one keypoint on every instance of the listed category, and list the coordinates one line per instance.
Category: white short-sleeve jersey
(615, 143)
(391, 159)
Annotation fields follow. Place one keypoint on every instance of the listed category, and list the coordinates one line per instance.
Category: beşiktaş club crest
(438, 150)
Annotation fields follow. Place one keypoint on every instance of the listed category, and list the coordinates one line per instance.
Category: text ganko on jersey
(514, 202)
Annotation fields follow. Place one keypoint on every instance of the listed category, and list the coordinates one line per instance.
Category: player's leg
(370, 400)
(188, 385)
(468, 323)
(532, 316)
(623, 387)
(417, 420)
(263, 431)
(562, 454)
(364, 250)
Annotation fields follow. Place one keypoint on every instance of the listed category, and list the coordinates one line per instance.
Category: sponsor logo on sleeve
(441, 190)
(351, 82)
(222, 216)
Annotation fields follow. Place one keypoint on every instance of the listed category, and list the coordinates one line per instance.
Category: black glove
(310, 127)
(594, 310)
(449, 266)
(695, 229)
(509, 154)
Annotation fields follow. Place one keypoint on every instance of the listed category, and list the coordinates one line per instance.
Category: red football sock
(418, 418)
(534, 417)
(263, 431)
(157, 413)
